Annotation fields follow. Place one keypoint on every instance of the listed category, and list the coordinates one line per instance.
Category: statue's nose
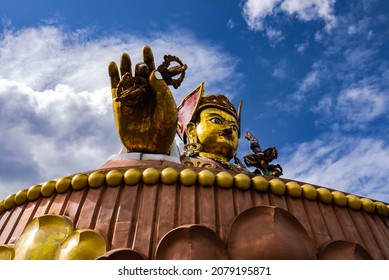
(227, 131)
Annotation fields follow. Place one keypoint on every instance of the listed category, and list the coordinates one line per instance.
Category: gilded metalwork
(168, 73)
(144, 108)
(51, 237)
(217, 132)
(261, 159)
(83, 244)
(195, 162)
(191, 149)
(42, 237)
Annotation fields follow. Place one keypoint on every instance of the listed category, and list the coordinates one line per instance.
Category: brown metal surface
(191, 242)
(138, 217)
(267, 232)
(343, 250)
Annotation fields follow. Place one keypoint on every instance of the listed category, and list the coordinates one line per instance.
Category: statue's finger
(148, 58)
(113, 72)
(142, 70)
(125, 65)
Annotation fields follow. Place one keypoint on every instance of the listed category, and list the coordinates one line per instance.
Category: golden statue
(209, 125)
(144, 108)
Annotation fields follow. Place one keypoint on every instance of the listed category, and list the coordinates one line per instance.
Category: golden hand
(144, 108)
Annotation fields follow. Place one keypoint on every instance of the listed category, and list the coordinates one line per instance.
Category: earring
(191, 149)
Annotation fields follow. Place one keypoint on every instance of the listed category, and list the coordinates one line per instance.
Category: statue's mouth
(227, 134)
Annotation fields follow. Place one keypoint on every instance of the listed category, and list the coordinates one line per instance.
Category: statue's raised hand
(144, 108)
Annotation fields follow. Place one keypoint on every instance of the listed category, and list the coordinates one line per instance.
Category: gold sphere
(21, 197)
(34, 192)
(324, 195)
(260, 183)
(277, 186)
(9, 202)
(132, 176)
(96, 179)
(2, 208)
(7, 252)
(63, 184)
(224, 180)
(114, 178)
(339, 198)
(367, 205)
(79, 181)
(188, 177)
(242, 181)
(293, 189)
(309, 192)
(150, 176)
(48, 188)
(169, 176)
(353, 202)
(381, 209)
(206, 178)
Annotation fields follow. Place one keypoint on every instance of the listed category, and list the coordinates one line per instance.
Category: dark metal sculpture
(261, 159)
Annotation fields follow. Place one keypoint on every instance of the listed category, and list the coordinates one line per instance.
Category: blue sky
(313, 77)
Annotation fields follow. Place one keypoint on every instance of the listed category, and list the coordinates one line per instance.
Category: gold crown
(194, 102)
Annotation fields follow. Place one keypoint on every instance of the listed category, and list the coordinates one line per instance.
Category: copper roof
(159, 219)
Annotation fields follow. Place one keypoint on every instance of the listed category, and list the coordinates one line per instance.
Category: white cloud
(361, 105)
(359, 56)
(350, 164)
(255, 12)
(302, 47)
(275, 36)
(230, 24)
(55, 101)
(280, 70)
(310, 80)
(305, 88)
(308, 10)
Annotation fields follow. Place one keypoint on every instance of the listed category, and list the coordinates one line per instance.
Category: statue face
(217, 132)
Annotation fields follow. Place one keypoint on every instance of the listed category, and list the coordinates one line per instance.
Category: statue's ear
(191, 132)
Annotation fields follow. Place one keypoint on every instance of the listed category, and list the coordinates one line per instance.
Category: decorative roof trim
(189, 177)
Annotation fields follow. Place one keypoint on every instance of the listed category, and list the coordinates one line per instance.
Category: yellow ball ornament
(260, 183)
(48, 188)
(21, 197)
(188, 177)
(206, 178)
(63, 185)
(96, 179)
(381, 209)
(367, 205)
(277, 186)
(34, 192)
(79, 181)
(353, 202)
(2, 208)
(114, 178)
(224, 180)
(242, 181)
(169, 176)
(132, 177)
(339, 198)
(293, 189)
(309, 192)
(150, 176)
(324, 195)
(9, 202)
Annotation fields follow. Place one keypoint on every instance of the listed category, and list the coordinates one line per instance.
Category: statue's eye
(234, 128)
(216, 120)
